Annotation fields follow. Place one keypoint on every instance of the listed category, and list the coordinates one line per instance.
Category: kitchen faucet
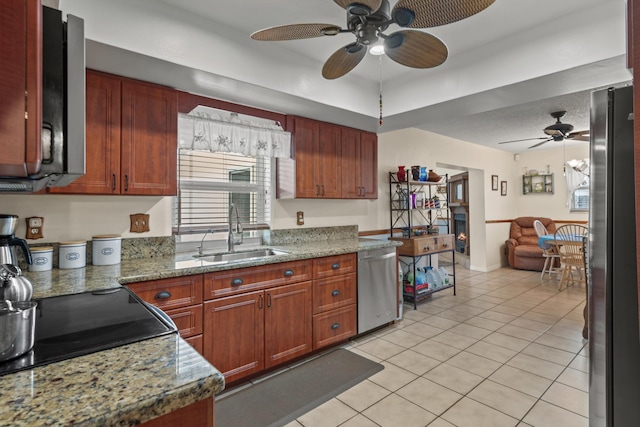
(231, 241)
(201, 247)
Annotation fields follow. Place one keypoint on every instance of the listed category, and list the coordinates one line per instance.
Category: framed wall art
(503, 188)
(494, 182)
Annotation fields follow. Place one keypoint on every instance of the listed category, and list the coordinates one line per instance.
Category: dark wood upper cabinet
(131, 142)
(359, 164)
(20, 87)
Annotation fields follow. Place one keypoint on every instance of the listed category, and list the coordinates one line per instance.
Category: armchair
(523, 250)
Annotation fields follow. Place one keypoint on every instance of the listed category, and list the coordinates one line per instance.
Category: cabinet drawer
(188, 320)
(170, 293)
(195, 342)
(445, 242)
(334, 326)
(334, 292)
(240, 280)
(425, 244)
(334, 265)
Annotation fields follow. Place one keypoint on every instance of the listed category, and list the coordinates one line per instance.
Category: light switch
(139, 223)
(300, 216)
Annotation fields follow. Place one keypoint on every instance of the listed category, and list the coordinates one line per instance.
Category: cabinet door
(328, 161)
(20, 87)
(234, 334)
(306, 143)
(149, 139)
(102, 171)
(368, 162)
(288, 326)
(351, 180)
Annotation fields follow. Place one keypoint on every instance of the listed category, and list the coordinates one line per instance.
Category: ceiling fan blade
(415, 49)
(581, 135)
(520, 140)
(371, 4)
(433, 13)
(540, 143)
(296, 32)
(343, 60)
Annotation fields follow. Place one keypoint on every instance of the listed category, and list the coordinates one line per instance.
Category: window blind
(209, 182)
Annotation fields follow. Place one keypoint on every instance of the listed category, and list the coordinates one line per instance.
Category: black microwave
(62, 141)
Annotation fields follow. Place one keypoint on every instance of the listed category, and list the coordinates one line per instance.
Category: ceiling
(509, 66)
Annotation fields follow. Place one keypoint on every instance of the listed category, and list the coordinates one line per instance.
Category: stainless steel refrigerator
(614, 342)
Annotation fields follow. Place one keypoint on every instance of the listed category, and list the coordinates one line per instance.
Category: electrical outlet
(34, 227)
(139, 223)
(300, 216)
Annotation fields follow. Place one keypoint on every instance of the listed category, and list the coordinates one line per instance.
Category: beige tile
(470, 331)
(539, 317)
(549, 353)
(454, 378)
(520, 380)
(534, 325)
(581, 363)
(392, 377)
(475, 364)
(415, 315)
(359, 421)
(458, 316)
(576, 379)
(492, 299)
(469, 413)
(574, 334)
(503, 398)
(394, 411)
(381, 348)
(403, 338)
(436, 350)
(454, 340)
(294, 424)
(536, 366)
(518, 332)
(365, 354)
(425, 308)
(568, 398)
(497, 316)
(506, 341)
(491, 351)
(422, 330)
(363, 395)
(439, 422)
(329, 414)
(484, 323)
(544, 414)
(431, 396)
(509, 310)
(466, 308)
(414, 362)
(559, 343)
(441, 322)
(486, 305)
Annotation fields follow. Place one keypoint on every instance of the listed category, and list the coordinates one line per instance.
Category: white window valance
(208, 129)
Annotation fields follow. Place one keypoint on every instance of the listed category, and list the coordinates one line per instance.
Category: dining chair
(551, 256)
(569, 241)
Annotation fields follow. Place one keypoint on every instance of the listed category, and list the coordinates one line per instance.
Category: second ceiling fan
(368, 19)
(556, 132)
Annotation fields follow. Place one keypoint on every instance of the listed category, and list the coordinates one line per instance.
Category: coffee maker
(8, 241)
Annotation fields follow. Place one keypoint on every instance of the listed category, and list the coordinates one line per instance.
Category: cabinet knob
(237, 282)
(445, 245)
(335, 293)
(335, 326)
(288, 273)
(336, 266)
(163, 295)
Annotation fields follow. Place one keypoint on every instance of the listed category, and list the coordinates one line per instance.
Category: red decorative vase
(402, 174)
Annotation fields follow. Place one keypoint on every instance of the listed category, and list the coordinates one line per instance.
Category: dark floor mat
(284, 397)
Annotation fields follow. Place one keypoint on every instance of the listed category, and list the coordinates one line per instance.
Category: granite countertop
(131, 384)
(90, 278)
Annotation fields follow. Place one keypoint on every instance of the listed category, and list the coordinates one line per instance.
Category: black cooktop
(74, 325)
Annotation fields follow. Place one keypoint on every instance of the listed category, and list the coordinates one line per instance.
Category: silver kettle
(14, 285)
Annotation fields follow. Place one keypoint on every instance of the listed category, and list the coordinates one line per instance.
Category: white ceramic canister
(72, 254)
(106, 249)
(41, 258)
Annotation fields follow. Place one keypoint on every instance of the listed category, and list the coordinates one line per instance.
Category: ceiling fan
(556, 132)
(368, 19)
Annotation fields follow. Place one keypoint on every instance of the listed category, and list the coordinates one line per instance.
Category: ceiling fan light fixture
(331, 31)
(358, 9)
(377, 49)
(403, 17)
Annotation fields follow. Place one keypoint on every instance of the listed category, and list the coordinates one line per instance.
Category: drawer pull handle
(237, 282)
(260, 302)
(335, 326)
(336, 266)
(445, 245)
(163, 295)
(335, 293)
(288, 273)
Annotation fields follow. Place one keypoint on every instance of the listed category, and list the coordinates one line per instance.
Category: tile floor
(506, 351)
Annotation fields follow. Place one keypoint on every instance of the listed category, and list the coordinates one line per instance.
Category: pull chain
(380, 121)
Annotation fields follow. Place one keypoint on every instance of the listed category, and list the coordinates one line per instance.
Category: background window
(580, 197)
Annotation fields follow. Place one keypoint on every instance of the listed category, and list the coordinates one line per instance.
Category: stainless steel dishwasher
(377, 288)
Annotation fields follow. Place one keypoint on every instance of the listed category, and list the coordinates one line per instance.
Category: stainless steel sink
(228, 257)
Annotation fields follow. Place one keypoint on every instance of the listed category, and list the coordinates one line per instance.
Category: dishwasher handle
(378, 257)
